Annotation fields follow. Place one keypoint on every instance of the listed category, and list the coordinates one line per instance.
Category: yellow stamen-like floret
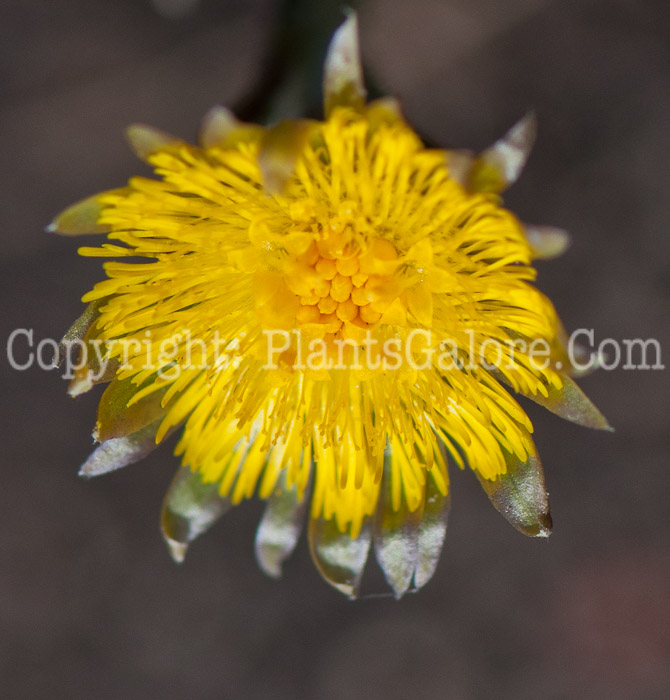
(328, 311)
(369, 240)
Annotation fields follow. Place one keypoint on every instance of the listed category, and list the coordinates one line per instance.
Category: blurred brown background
(91, 606)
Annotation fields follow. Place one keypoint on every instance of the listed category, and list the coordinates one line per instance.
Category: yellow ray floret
(374, 258)
(328, 312)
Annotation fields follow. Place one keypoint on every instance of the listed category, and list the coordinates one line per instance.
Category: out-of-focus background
(91, 606)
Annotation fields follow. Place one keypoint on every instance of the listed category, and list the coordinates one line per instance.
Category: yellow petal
(420, 304)
(421, 252)
(395, 314)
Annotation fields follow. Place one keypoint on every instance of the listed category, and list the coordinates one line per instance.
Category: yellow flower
(328, 311)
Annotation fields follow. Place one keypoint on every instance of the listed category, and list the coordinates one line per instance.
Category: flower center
(337, 277)
(341, 287)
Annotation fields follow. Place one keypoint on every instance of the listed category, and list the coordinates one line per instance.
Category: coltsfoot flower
(328, 312)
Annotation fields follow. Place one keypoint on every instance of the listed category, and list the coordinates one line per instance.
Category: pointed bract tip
(56, 360)
(269, 565)
(571, 403)
(145, 140)
(516, 145)
(519, 494)
(499, 166)
(217, 125)
(349, 592)
(522, 135)
(547, 241)
(79, 218)
(77, 386)
(525, 127)
(177, 550)
(120, 452)
(343, 72)
(459, 165)
(339, 559)
(432, 533)
(280, 526)
(396, 539)
(190, 508)
(545, 525)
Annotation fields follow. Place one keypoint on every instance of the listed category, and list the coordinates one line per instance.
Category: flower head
(328, 312)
